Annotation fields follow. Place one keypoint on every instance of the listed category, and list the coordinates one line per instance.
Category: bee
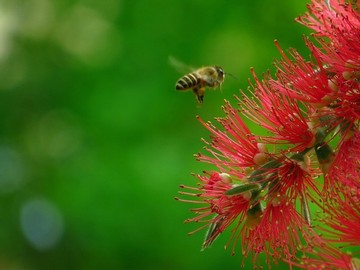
(200, 79)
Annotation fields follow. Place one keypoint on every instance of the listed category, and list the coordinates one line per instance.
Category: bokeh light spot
(11, 170)
(41, 223)
(55, 135)
(87, 35)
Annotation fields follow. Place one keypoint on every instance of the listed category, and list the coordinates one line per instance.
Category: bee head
(221, 73)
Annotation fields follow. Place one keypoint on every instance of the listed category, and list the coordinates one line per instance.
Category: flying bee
(198, 80)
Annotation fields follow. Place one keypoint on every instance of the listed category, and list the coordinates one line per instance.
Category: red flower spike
(306, 107)
(340, 24)
(344, 173)
(220, 210)
(337, 30)
(320, 254)
(301, 79)
(327, 258)
(234, 148)
(278, 233)
(295, 178)
(279, 114)
(349, 102)
(344, 220)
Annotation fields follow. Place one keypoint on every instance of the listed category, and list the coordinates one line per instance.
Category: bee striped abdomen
(187, 81)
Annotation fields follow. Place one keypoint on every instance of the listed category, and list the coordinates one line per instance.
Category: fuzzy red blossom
(350, 105)
(278, 234)
(328, 258)
(320, 254)
(339, 226)
(344, 172)
(307, 107)
(331, 79)
(296, 178)
(338, 33)
(301, 79)
(337, 30)
(220, 210)
(234, 148)
(343, 221)
(279, 114)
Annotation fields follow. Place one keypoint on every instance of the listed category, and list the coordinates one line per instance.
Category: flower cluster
(311, 111)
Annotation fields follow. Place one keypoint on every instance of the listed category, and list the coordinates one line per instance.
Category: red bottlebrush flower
(344, 172)
(279, 114)
(343, 218)
(328, 258)
(337, 22)
(278, 234)
(305, 107)
(220, 210)
(320, 254)
(337, 30)
(295, 178)
(332, 79)
(235, 148)
(349, 108)
(301, 79)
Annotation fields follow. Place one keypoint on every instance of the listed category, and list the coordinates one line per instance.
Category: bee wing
(179, 66)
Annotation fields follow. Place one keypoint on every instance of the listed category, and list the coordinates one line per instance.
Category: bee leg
(199, 93)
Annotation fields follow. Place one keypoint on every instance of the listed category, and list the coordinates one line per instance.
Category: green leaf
(242, 188)
(212, 233)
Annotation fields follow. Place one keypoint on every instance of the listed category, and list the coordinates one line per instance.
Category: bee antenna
(231, 75)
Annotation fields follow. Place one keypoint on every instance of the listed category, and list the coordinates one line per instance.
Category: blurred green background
(94, 139)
